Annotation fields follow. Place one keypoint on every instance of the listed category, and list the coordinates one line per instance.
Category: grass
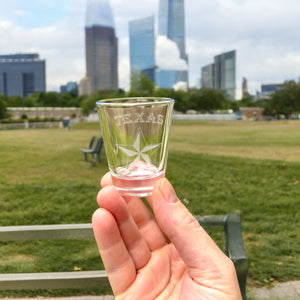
(216, 167)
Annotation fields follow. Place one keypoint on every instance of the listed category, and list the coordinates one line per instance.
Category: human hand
(166, 257)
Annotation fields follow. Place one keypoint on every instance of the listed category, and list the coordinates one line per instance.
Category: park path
(280, 291)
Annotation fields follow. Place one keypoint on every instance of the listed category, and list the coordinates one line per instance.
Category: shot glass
(135, 133)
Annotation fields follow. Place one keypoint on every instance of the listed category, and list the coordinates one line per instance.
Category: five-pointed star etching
(140, 148)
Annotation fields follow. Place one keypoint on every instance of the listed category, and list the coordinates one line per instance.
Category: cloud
(167, 56)
(180, 86)
(20, 13)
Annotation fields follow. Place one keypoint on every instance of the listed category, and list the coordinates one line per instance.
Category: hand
(166, 257)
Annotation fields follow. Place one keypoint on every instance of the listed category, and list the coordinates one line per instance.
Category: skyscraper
(221, 75)
(101, 48)
(207, 76)
(22, 74)
(172, 25)
(142, 46)
(224, 78)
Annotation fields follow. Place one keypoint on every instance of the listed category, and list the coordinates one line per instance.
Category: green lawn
(252, 168)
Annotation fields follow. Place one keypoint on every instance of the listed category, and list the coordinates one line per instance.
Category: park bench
(233, 247)
(93, 151)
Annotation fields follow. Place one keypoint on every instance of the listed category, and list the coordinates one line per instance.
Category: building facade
(171, 23)
(268, 89)
(207, 76)
(69, 87)
(142, 47)
(101, 48)
(221, 75)
(22, 74)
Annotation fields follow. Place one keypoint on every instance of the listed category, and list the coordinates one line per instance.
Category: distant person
(66, 122)
(166, 257)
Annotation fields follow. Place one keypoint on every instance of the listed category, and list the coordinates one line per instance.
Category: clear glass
(135, 133)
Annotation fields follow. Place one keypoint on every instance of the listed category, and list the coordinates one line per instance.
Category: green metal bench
(93, 151)
(233, 247)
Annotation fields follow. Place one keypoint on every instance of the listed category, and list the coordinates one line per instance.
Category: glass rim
(134, 101)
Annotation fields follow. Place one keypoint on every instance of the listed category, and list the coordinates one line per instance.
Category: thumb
(193, 244)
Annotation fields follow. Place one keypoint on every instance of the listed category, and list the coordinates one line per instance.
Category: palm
(142, 264)
(165, 277)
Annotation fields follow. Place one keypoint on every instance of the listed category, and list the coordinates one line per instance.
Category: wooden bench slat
(233, 247)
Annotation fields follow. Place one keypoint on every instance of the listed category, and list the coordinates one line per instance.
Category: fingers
(142, 217)
(109, 199)
(106, 180)
(193, 244)
(118, 263)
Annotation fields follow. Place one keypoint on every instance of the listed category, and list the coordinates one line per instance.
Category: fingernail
(167, 191)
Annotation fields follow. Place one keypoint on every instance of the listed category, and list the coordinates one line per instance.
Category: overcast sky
(265, 34)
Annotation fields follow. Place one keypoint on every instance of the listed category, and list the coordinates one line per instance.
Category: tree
(14, 101)
(286, 100)
(2, 108)
(141, 84)
(88, 104)
(207, 99)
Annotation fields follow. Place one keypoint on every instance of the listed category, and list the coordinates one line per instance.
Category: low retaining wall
(206, 117)
(44, 112)
(26, 125)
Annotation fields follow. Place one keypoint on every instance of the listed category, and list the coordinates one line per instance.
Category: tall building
(22, 74)
(221, 75)
(101, 48)
(268, 89)
(207, 76)
(171, 24)
(69, 87)
(142, 46)
(225, 73)
(245, 87)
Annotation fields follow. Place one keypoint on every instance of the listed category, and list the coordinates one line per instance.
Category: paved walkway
(284, 291)
(281, 291)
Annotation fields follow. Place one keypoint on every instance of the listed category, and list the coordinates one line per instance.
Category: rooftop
(99, 13)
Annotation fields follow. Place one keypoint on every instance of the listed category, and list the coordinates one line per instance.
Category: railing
(233, 247)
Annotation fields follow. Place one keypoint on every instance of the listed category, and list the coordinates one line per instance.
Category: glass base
(136, 186)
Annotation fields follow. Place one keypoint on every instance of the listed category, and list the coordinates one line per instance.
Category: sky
(264, 33)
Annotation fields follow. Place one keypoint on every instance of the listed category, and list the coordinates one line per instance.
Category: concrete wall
(44, 112)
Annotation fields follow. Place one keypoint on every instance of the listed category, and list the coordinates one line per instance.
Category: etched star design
(140, 149)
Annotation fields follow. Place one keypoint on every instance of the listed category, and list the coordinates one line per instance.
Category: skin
(165, 256)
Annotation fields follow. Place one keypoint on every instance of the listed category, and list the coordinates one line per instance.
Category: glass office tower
(101, 48)
(171, 24)
(225, 73)
(142, 47)
(22, 74)
(207, 76)
(221, 75)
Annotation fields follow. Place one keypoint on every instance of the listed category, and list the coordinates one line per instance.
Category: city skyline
(264, 36)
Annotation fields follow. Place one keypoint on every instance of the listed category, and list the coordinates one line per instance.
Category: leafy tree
(64, 99)
(2, 108)
(286, 100)
(88, 104)
(141, 84)
(49, 99)
(207, 99)
(14, 101)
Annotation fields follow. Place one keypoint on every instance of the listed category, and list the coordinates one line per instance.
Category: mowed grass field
(252, 168)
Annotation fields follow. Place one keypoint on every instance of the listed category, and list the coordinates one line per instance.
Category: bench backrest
(233, 247)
